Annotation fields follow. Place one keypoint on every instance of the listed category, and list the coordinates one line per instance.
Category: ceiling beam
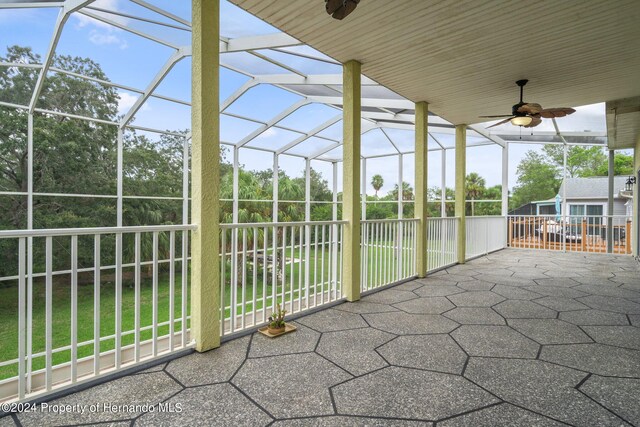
(177, 56)
(285, 113)
(312, 133)
(68, 8)
(267, 41)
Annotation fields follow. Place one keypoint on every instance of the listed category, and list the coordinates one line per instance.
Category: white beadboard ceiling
(463, 57)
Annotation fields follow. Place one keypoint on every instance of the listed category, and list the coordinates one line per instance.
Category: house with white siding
(589, 196)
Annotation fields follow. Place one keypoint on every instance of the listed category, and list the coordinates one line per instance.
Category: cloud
(114, 5)
(101, 33)
(127, 100)
(107, 37)
(270, 132)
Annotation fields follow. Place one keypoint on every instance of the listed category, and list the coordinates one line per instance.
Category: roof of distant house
(595, 187)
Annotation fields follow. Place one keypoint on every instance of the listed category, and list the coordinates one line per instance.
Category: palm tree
(377, 182)
(475, 187)
(407, 192)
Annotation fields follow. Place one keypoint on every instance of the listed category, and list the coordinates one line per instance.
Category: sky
(132, 60)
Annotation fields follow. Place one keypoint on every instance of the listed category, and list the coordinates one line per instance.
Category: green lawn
(294, 284)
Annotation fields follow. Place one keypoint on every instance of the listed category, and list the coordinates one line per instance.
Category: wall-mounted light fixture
(630, 182)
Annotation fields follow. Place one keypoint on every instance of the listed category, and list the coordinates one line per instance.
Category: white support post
(443, 188)
(30, 156)
(307, 231)
(400, 215)
(307, 191)
(364, 188)
(334, 215)
(400, 178)
(565, 207)
(236, 183)
(333, 245)
(505, 180)
(119, 183)
(276, 184)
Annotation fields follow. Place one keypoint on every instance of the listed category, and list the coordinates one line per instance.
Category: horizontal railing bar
(279, 224)
(569, 216)
(375, 221)
(90, 269)
(90, 342)
(4, 234)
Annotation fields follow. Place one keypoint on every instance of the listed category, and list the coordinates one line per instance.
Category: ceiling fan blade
(550, 113)
(530, 108)
(501, 122)
(535, 121)
(496, 117)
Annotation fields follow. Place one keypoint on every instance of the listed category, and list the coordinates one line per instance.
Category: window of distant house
(583, 209)
(546, 209)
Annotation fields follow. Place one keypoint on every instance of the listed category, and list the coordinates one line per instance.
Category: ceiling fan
(529, 114)
(339, 9)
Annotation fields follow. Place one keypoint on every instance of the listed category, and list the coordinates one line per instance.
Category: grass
(294, 285)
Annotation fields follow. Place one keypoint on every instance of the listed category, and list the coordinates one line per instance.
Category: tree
(377, 182)
(581, 161)
(474, 187)
(70, 156)
(407, 192)
(622, 165)
(537, 179)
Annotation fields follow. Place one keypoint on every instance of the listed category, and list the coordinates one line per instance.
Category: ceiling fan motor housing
(515, 112)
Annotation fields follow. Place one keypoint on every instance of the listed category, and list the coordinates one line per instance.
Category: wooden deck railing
(570, 233)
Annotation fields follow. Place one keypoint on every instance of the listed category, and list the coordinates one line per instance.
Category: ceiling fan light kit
(529, 114)
(521, 121)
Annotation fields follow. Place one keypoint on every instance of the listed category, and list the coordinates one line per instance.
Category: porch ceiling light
(521, 121)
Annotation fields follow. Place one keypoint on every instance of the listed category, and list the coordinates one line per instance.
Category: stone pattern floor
(515, 338)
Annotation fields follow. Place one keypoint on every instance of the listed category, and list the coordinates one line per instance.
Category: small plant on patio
(276, 320)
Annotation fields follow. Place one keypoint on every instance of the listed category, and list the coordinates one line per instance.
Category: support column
(205, 173)
(564, 207)
(461, 171)
(351, 179)
(443, 189)
(400, 230)
(334, 192)
(235, 188)
(276, 184)
(612, 154)
(422, 128)
(505, 189)
(363, 189)
(307, 190)
(505, 179)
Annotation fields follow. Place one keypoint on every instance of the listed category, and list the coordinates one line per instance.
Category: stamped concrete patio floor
(517, 337)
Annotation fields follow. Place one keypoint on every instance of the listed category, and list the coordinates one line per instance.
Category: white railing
(442, 246)
(297, 265)
(388, 251)
(485, 234)
(90, 301)
(573, 233)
